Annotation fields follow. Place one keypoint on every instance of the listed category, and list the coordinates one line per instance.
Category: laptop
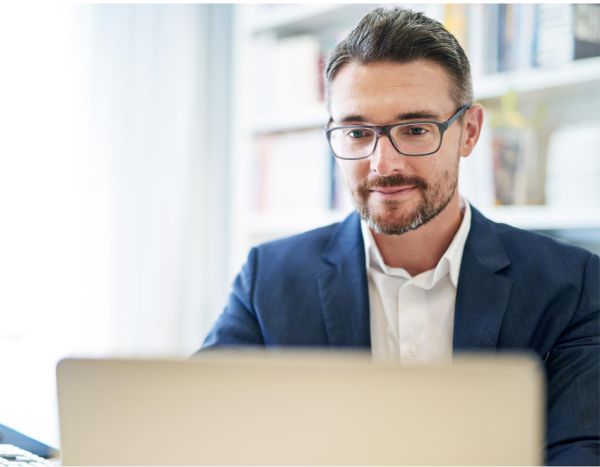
(308, 408)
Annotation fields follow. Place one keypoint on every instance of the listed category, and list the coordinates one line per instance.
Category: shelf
(545, 217)
(267, 226)
(572, 75)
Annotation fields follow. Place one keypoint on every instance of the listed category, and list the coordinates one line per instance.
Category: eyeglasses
(409, 139)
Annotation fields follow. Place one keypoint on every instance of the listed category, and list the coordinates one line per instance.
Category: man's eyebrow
(418, 115)
(414, 115)
(352, 118)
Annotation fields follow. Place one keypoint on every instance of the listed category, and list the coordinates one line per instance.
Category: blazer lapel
(483, 293)
(343, 289)
(481, 298)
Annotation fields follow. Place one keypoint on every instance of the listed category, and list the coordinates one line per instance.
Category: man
(418, 273)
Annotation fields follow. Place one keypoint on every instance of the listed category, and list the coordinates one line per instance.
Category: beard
(389, 219)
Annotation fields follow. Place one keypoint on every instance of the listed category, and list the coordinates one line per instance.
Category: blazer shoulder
(301, 250)
(312, 240)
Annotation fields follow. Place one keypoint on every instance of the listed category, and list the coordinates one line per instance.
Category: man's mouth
(392, 190)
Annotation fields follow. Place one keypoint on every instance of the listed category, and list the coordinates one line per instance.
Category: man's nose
(386, 160)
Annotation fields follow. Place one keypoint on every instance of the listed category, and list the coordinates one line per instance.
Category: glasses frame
(386, 130)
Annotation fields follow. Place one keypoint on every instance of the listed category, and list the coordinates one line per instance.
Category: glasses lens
(416, 139)
(352, 143)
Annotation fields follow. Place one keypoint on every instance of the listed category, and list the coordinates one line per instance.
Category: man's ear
(472, 124)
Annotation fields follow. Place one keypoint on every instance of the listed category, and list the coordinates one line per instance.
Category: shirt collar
(449, 262)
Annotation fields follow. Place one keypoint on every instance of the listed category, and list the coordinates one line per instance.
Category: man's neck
(421, 249)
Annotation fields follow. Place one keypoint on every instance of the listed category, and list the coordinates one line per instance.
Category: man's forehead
(389, 73)
(418, 86)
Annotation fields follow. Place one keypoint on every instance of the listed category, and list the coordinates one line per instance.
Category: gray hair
(401, 35)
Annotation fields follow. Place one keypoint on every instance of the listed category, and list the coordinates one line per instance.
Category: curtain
(114, 188)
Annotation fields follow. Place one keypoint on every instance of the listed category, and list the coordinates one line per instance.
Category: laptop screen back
(308, 409)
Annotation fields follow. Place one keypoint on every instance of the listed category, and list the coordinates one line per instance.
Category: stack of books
(521, 36)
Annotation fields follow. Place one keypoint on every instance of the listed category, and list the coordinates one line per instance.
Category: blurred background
(145, 148)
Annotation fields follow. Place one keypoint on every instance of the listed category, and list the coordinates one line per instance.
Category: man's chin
(392, 222)
(388, 226)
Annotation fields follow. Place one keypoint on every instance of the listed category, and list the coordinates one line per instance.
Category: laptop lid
(302, 409)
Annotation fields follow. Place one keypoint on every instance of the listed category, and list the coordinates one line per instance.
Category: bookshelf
(582, 75)
(546, 96)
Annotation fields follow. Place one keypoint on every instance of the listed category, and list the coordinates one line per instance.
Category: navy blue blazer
(517, 290)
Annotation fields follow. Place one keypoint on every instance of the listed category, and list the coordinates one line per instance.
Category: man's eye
(416, 131)
(356, 133)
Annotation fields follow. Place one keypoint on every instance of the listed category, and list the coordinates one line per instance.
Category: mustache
(390, 181)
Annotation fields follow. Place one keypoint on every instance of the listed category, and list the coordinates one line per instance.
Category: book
(517, 37)
(455, 21)
(587, 31)
(491, 38)
(525, 46)
(555, 44)
(476, 47)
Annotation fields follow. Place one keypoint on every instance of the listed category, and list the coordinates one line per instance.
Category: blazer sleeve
(573, 371)
(238, 325)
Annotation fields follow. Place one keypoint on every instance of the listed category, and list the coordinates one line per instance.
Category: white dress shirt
(412, 318)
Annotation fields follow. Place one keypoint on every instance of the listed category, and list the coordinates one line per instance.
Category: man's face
(392, 192)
